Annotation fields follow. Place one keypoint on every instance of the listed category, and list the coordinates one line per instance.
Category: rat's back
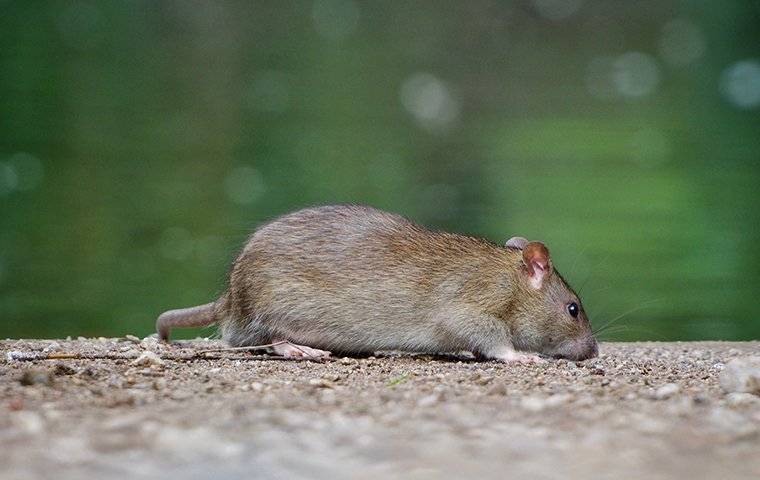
(352, 278)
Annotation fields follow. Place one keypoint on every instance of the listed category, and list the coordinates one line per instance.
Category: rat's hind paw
(291, 350)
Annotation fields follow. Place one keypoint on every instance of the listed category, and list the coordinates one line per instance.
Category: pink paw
(509, 355)
(291, 350)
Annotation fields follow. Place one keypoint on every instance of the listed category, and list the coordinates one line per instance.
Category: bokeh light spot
(430, 101)
(740, 84)
(635, 74)
(8, 178)
(244, 185)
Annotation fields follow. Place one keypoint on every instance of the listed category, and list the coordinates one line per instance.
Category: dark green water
(142, 141)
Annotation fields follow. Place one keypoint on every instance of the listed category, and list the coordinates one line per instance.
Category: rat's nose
(594, 350)
(590, 350)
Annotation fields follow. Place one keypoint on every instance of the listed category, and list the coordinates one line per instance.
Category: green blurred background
(142, 141)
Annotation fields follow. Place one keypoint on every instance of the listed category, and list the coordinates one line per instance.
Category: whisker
(613, 329)
(637, 308)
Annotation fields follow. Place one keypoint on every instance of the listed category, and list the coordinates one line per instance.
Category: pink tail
(200, 316)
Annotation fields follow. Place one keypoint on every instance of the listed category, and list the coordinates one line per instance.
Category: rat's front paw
(509, 355)
(521, 358)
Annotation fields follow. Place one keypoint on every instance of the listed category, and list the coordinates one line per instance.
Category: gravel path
(640, 410)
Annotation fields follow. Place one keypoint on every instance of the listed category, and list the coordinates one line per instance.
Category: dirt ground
(640, 410)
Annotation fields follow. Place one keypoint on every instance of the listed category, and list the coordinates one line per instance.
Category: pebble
(181, 395)
(320, 383)
(537, 404)
(741, 375)
(150, 343)
(147, 359)
(666, 391)
(738, 399)
(730, 422)
(28, 422)
(498, 389)
(132, 338)
(51, 347)
(428, 401)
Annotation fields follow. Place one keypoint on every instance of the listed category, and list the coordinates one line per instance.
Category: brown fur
(355, 279)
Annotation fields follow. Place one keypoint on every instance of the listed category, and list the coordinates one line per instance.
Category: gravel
(741, 375)
(655, 410)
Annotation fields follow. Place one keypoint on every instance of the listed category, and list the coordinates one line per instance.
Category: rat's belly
(351, 322)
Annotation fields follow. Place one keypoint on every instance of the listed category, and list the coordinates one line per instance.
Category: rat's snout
(593, 349)
(582, 349)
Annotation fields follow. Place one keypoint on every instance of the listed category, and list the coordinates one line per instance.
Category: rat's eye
(572, 309)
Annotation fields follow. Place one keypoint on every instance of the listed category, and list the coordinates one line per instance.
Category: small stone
(346, 361)
(739, 399)
(159, 384)
(257, 387)
(28, 422)
(132, 338)
(149, 343)
(51, 347)
(428, 401)
(147, 359)
(731, 422)
(533, 404)
(741, 375)
(498, 389)
(666, 391)
(320, 383)
(181, 395)
(35, 377)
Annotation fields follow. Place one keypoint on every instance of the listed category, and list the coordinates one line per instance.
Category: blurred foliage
(142, 141)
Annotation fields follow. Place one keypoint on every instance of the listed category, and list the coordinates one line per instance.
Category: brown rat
(354, 279)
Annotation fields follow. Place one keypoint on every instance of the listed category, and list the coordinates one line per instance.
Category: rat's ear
(537, 263)
(516, 242)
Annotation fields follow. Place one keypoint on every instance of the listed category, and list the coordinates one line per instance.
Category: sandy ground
(640, 410)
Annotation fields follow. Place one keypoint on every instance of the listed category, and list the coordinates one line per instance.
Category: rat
(353, 279)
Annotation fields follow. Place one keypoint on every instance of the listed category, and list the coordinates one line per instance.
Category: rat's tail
(200, 316)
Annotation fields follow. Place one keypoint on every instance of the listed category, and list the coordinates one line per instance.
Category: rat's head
(549, 316)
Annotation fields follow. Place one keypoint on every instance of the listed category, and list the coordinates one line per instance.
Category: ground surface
(640, 410)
